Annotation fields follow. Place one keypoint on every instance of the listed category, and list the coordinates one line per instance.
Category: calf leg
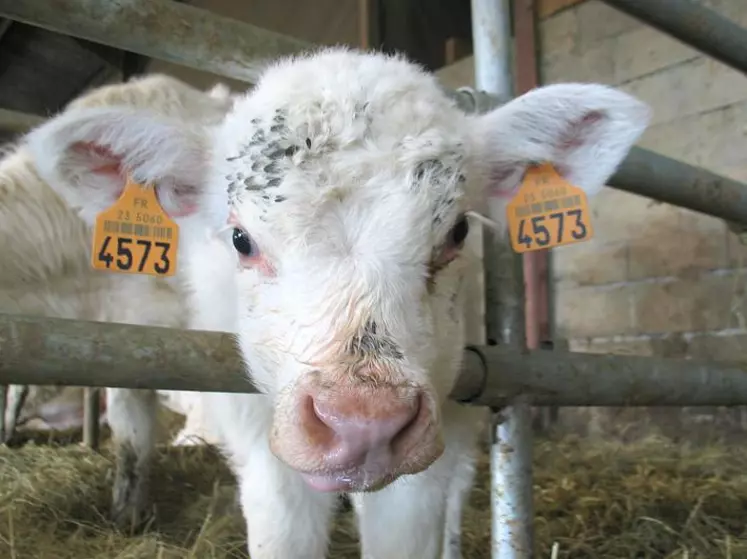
(419, 516)
(466, 427)
(132, 418)
(11, 406)
(285, 518)
(405, 520)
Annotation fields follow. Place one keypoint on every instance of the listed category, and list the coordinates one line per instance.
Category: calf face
(341, 184)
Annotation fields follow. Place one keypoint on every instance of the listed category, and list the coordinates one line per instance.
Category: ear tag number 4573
(135, 235)
(547, 212)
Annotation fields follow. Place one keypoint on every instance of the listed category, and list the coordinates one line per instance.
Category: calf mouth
(366, 480)
(351, 481)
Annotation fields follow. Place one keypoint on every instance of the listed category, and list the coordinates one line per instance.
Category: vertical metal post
(511, 435)
(3, 408)
(132, 64)
(91, 416)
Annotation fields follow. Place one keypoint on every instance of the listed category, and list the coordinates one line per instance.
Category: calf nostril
(325, 414)
(352, 429)
(409, 419)
(318, 428)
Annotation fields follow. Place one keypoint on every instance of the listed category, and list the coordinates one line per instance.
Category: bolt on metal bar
(511, 432)
(37, 350)
(695, 25)
(161, 29)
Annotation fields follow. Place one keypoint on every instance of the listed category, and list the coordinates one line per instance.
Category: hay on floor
(652, 499)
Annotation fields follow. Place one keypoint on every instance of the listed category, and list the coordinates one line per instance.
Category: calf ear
(585, 130)
(86, 155)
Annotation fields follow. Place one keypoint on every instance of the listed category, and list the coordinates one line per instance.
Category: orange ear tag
(547, 212)
(135, 236)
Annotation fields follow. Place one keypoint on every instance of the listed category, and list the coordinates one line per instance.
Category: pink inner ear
(111, 164)
(498, 176)
(106, 162)
(579, 131)
(184, 198)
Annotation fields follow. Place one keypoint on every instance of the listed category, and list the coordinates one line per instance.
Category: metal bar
(91, 416)
(369, 29)
(4, 26)
(536, 292)
(3, 412)
(131, 65)
(42, 350)
(665, 179)
(580, 379)
(17, 122)
(193, 37)
(695, 25)
(161, 29)
(54, 351)
(511, 433)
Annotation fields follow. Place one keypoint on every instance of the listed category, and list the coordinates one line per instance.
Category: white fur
(351, 238)
(45, 244)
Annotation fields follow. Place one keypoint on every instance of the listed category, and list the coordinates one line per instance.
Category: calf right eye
(243, 243)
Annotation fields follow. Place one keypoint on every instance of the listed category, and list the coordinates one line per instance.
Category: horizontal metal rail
(192, 37)
(40, 350)
(17, 122)
(662, 178)
(161, 29)
(695, 25)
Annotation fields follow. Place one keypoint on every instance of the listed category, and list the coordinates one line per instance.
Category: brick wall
(655, 280)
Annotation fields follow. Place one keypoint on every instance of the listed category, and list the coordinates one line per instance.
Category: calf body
(328, 234)
(45, 250)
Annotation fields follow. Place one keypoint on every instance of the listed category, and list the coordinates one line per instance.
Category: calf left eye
(452, 245)
(459, 232)
(243, 244)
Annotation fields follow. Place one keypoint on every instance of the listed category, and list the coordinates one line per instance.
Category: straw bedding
(651, 498)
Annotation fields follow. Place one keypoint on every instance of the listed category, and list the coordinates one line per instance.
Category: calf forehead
(342, 132)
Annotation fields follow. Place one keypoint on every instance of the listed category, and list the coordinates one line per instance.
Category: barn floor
(649, 499)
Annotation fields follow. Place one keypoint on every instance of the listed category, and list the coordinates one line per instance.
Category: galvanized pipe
(511, 433)
(199, 39)
(3, 411)
(17, 122)
(37, 350)
(662, 178)
(695, 25)
(91, 417)
(579, 379)
(536, 269)
(161, 29)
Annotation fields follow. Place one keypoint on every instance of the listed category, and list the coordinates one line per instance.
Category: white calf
(45, 253)
(337, 193)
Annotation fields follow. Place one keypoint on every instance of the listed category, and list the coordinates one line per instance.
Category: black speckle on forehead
(267, 155)
(445, 178)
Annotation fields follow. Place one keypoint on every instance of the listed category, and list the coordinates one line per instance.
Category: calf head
(341, 185)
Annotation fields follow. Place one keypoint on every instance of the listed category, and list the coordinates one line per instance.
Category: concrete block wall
(655, 279)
